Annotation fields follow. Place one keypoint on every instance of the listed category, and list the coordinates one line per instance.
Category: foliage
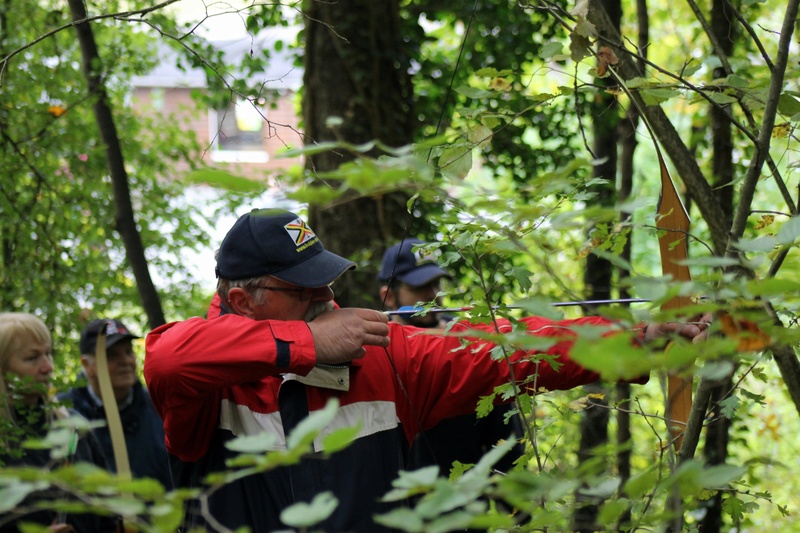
(505, 178)
(61, 255)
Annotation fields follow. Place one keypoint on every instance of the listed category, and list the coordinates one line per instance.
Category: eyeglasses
(304, 292)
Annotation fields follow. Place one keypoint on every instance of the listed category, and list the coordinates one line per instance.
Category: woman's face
(34, 361)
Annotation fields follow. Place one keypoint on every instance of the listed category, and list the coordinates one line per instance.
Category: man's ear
(241, 302)
(88, 366)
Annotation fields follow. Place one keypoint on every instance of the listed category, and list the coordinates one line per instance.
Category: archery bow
(674, 221)
(111, 408)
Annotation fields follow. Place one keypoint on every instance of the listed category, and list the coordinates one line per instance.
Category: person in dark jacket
(274, 350)
(412, 276)
(143, 428)
(26, 362)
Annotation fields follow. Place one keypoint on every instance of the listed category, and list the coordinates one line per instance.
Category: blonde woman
(26, 361)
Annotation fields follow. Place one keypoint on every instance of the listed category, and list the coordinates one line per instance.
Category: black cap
(409, 266)
(115, 331)
(276, 242)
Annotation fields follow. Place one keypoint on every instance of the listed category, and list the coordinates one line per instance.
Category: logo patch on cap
(113, 329)
(299, 232)
(425, 259)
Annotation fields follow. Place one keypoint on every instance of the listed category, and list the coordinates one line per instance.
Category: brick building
(244, 136)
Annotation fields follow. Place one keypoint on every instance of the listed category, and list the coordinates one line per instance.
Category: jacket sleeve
(188, 365)
(447, 375)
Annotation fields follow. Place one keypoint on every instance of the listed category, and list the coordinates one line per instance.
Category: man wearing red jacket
(276, 350)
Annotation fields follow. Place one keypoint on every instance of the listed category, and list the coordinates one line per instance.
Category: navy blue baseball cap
(276, 242)
(412, 268)
(115, 331)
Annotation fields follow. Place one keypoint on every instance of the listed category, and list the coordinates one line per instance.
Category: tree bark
(356, 68)
(599, 273)
(718, 431)
(124, 216)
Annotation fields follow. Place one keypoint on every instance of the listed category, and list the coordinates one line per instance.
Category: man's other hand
(695, 331)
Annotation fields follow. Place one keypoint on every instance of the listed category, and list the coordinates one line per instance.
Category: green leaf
(789, 231)
(303, 515)
(480, 135)
(259, 443)
(491, 72)
(402, 519)
(456, 161)
(340, 439)
(445, 498)
(312, 425)
(455, 521)
(473, 92)
(12, 495)
(551, 50)
(124, 506)
(611, 511)
(224, 180)
(721, 98)
(658, 96)
(640, 484)
(584, 28)
(613, 357)
(788, 105)
(771, 287)
(579, 47)
(729, 406)
(720, 476)
(760, 244)
(716, 370)
(739, 82)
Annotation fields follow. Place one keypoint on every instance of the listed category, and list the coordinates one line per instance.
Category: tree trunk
(124, 217)
(356, 68)
(598, 274)
(718, 432)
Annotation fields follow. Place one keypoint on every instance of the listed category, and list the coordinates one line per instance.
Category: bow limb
(111, 409)
(674, 221)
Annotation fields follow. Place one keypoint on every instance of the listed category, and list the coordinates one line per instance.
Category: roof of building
(280, 71)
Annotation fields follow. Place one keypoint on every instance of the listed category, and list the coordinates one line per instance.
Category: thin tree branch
(750, 181)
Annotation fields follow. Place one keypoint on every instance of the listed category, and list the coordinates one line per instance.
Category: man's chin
(316, 309)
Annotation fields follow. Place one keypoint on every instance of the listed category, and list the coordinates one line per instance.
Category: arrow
(409, 310)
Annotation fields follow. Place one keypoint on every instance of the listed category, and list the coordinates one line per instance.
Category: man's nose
(429, 293)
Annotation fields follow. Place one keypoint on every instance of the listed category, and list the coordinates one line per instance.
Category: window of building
(238, 132)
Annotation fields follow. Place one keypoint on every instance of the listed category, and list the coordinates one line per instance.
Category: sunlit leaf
(305, 515)
(788, 105)
(761, 244)
(12, 495)
(258, 443)
(339, 439)
(402, 519)
(720, 476)
(789, 231)
(223, 179)
(456, 161)
(313, 424)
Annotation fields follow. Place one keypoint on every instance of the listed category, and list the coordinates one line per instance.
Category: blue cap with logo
(412, 267)
(115, 332)
(276, 242)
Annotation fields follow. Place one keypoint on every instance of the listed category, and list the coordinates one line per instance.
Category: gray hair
(249, 284)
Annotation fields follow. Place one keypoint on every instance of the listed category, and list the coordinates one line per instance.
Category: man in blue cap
(143, 429)
(274, 352)
(411, 275)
